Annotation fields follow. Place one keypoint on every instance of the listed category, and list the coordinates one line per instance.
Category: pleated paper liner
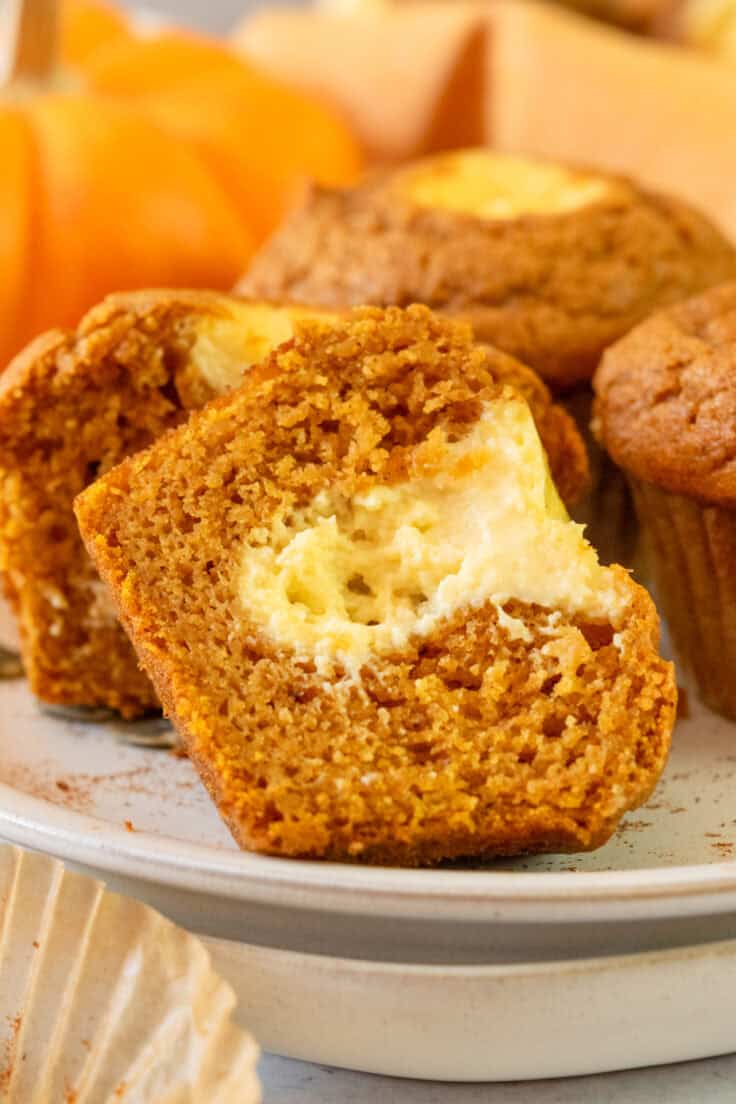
(103, 1001)
(692, 552)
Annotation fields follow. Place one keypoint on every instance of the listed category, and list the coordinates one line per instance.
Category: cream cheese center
(226, 347)
(347, 578)
(495, 186)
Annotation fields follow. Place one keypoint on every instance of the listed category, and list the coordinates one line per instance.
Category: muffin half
(666, 412)
(74, 404)
(360, 598)
(547, 262)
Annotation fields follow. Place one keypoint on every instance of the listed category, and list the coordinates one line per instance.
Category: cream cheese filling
(346, 578)
(226, 347)
(495, 186)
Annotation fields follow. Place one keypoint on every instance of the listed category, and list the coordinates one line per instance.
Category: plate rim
(469, 896)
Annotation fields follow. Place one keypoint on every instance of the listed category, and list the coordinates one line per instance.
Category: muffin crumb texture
(498, 727)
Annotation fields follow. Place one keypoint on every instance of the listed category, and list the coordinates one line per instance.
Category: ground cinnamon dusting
(9, 1058)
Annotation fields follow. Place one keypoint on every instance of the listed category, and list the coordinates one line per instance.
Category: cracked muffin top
(665, 405)
(548, 262)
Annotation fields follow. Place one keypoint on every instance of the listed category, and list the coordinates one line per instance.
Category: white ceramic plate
(628, 955)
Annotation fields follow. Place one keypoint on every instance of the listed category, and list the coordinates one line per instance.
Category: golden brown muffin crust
(553, 290)
(665, 403)
(467, 741)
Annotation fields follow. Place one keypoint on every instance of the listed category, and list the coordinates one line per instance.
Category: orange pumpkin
(260, 138)
(141, 178)
(85, 26)
(94, 197)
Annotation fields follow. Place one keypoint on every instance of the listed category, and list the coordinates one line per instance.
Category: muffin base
(692, 547)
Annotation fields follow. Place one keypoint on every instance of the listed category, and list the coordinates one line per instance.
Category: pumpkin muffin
(74, 404)
(547, 262)
(362, 603)
(666, 412)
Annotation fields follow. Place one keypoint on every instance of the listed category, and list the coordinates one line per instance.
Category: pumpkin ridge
(17, 278)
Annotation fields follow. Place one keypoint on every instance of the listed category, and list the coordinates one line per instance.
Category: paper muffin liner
(103, 1001)
(692, 548)
(607, 511)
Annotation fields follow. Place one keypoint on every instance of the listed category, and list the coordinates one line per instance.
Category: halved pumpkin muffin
(364, 607)
(71, 407)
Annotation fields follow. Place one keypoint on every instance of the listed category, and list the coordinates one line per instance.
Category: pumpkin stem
(33, 39)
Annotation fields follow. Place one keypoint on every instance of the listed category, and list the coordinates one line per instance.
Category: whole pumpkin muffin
(364, 607)
(548, 262)
(74, 404)
(666, 412)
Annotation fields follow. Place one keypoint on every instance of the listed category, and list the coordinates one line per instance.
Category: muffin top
(548, 262)
(665, 405)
